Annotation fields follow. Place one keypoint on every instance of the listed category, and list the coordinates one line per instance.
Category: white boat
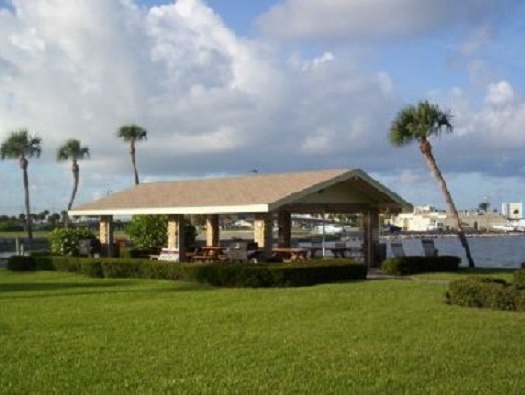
(512, 225)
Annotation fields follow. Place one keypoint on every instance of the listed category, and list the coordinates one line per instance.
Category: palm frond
(72, 149)
(419, 122)
(132, 133)
(21, 144)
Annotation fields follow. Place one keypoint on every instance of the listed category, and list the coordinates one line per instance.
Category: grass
(504, 274)
(63, 333)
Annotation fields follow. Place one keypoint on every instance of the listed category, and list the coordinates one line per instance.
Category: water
(494, 251)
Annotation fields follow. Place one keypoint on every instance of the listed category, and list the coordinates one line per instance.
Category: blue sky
(226, 86)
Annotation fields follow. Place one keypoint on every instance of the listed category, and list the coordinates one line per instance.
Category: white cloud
(500, 94)
(377, 20)
(211, 101)
(217, 103)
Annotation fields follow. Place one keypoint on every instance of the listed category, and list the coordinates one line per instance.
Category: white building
(427, 218)
(422, 219)
(512, 210)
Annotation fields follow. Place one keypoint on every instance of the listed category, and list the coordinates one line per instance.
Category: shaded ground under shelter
(269, 197)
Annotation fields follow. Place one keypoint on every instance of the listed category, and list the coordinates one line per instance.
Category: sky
(224, 87)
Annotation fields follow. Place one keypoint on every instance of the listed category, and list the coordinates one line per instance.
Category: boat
(512, 225)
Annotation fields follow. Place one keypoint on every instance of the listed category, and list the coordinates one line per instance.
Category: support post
(263, 232)
(106, 233)
(176, 234)
(212, 230)
(370, 224)
(284, 221)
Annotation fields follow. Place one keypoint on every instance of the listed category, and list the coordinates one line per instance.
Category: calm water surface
(494, 251)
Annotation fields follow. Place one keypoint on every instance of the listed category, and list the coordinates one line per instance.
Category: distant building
(512, 210)
(428, 219)
(422, 219)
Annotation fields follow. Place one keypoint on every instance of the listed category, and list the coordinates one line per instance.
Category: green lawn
(504, 274)
(63, 333)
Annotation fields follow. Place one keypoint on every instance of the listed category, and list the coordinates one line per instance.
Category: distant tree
(131, 134)
(418, 124)
(53, 219)
(484, 206)
(72, 150)
(22, 146)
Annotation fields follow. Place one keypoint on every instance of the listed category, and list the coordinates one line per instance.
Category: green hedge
(217, 274)
(519, 278)
(111, 267)
(420, 264)
(19, 263)
(486, 292)
(277, 275)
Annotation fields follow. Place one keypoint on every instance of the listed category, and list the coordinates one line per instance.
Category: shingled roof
(247, 194)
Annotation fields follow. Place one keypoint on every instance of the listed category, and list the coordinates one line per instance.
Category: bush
(277, 275)
(142, 253)
(149, 231)
(66, 241)
(420, 264)
(111, 267)
(486, 292)
(19, 263)
(519, 278)
(223, 275)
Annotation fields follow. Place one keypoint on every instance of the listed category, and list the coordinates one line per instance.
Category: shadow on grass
(52, 286)
(484, 270)
(56, 288)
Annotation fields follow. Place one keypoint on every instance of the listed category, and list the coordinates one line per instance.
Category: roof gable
(252, 193)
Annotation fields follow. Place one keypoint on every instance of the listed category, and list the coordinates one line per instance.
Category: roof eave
(252, 208)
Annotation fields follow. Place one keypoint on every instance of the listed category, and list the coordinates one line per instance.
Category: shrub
(149, 231)
(111, 267)
(142, 253)
(519, 278)
(486, 292)
(420, 264)
(66, 241)
(223, 275)
(19, 263)
(276, 275)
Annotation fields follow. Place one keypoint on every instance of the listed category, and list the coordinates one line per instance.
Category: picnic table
(291, 254)
(209, 254)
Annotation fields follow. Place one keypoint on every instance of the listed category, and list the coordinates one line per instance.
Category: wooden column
(176, 234)
(212, 230)
(284, 221)
(106, 234)
(263, 232)
(371, 247)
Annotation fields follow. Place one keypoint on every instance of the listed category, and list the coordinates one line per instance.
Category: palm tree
(72, 149)
(20, 145)
(132, 133)
(419, 123)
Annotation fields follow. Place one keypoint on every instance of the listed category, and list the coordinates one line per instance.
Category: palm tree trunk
(132, 153)
(426, 150)
(23, 165)
(76, 171)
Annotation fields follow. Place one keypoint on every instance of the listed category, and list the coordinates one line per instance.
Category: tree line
(413, 123)
(21, 145)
